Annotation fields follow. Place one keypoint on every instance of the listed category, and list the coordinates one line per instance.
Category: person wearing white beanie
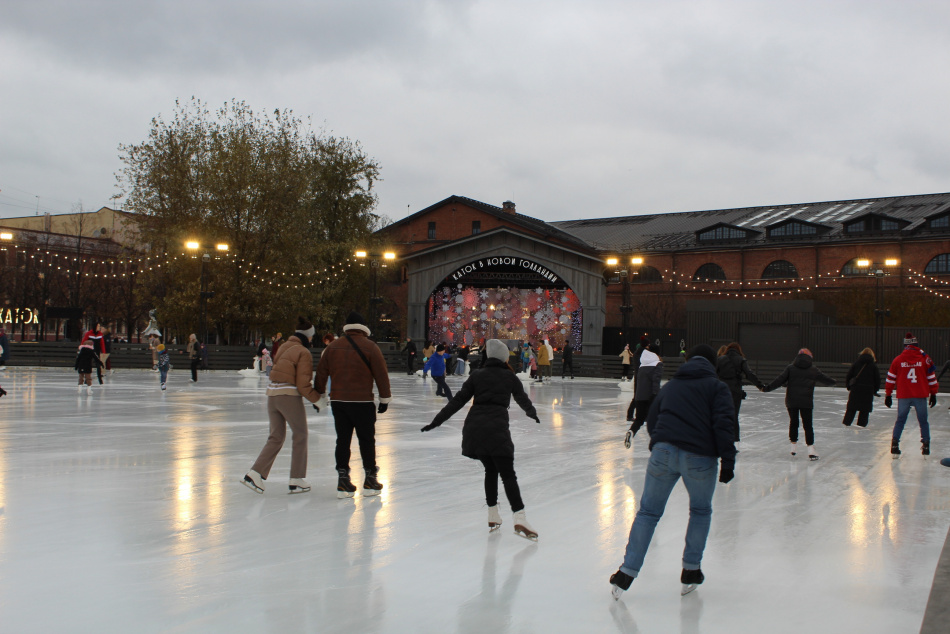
(485, 433)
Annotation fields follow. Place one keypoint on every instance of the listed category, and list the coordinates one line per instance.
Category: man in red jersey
(914, 374)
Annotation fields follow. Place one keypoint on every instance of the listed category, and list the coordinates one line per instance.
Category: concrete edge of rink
(937, 613)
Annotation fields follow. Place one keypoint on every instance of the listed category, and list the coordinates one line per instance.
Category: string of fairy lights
(74, 265)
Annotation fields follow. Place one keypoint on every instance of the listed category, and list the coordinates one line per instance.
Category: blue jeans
(667, 465)
(163, 372)
(903, 409)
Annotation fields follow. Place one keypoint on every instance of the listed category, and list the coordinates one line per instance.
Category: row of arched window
(785, 270)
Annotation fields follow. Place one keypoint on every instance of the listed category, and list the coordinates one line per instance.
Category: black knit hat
(440, 348)
(355, 318)
(704, 351)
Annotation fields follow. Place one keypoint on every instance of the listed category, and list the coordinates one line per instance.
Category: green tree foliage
(289, 202)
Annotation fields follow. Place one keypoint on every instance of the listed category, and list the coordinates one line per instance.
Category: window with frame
(722, 233)
(709, 271)
(645, 275)
(943, 222)
(793, 229)
(780, 270)
(940, 265)
(431, 231)
(476, 227)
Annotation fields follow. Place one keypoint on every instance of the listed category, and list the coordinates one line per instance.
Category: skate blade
(493, 527)
(687, 588)
(370, 492)
(813, 458)
(252, 486)
(895, 456)
(616, 592)
(295, 490)
(345, 494)
(521, 531)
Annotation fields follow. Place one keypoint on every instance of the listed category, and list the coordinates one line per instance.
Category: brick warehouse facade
(828, 251)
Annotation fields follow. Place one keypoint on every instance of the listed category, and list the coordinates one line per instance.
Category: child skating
(84, 362)
(485, 434)
(164, 363)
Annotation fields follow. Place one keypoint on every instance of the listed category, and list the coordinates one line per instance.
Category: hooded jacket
(86, 358)
(694, 412)
(544, 354)
(485, 432)
(862, 381)
(731, 367)
(648, 377)
(293, 367)
(352, 378)
(800, 378)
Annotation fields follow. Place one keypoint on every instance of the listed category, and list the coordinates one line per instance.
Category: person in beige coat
(290, 383)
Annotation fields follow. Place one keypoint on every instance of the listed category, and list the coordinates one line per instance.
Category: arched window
(709, 271)
(852, 268)
(780, 270)
(645, 275)
(940, 265)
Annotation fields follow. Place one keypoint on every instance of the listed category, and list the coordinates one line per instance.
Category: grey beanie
(497, 350)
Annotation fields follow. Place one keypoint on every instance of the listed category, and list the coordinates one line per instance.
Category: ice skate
(620, 583)
(163, 387)
(344, 488)
(254, 481)
(88, 390)
(690, 579)
(494, 519)
(895, 448)
(298, 485)
(794, 447)
(812, 454)
(522, 527)
(372, 486)
(79, 389)
(925, 447)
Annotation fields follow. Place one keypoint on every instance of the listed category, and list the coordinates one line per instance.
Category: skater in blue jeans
(691, 425)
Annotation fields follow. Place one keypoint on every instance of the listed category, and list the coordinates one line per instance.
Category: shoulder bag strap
(359, 352)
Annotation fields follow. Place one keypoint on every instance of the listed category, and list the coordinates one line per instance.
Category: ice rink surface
(122, 512)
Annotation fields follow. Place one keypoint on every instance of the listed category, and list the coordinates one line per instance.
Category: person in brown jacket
(289, 381)
(354, 362)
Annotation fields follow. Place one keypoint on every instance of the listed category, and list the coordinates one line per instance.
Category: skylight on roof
(821, 214)
(844, 216)
(758, 215)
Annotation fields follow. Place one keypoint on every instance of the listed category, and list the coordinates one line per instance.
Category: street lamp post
(623, 271)
(374, 299)
(877, 270)
(204, 294)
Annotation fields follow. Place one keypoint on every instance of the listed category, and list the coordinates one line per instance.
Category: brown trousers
(85, 378)
(285, 410)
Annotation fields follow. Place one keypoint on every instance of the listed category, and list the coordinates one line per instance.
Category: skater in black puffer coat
(485, 435)
(800, 378)
(863, 381)
(730, 368)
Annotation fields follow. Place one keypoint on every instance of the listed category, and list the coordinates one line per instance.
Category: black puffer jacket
(863, 380)
(731, 367)
(485, 432)
(694, 412)
(800, 377)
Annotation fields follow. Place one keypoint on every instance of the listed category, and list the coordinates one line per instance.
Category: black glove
(314, 405)
(887, 400)
(627, 438)
(382, 408)
(933, 400)
(428, 427)
(537, 420)
(3, 392)
(725, 475)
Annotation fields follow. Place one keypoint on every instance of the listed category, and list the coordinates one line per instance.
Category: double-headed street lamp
(374, 299)
(205, 295)
(626, 306)
(877, 270)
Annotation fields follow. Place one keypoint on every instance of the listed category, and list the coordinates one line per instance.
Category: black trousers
(805, 413)
(625, 371)
(640, 410)
(737, 402)
(358, 417)
(565, 364)
(194, 369)
(505, 467)
(862, 417)
(443, 388)
(411, 364)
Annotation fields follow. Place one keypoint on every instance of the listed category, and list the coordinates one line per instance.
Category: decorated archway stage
(538, 289)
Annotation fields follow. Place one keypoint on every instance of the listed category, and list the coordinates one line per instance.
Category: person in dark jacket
(567, 359)
(485, 435)
(645, 388)
(411, 353)
(690, 425)
(800, 378)
(731, 367)
(863, 381)
(85, 359)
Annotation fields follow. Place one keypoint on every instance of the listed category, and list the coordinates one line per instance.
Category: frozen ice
(123, 511)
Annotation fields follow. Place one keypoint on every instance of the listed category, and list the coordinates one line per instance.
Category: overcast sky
(574, 109)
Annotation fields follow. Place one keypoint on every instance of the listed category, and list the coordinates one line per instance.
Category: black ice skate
(925, 447)
(372, 486)
(895, 448)
(620, 582)
(344, 488)
(254, 481)
(690, 579)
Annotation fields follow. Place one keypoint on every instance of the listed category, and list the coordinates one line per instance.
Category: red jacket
(914, 374)
(98, 341)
